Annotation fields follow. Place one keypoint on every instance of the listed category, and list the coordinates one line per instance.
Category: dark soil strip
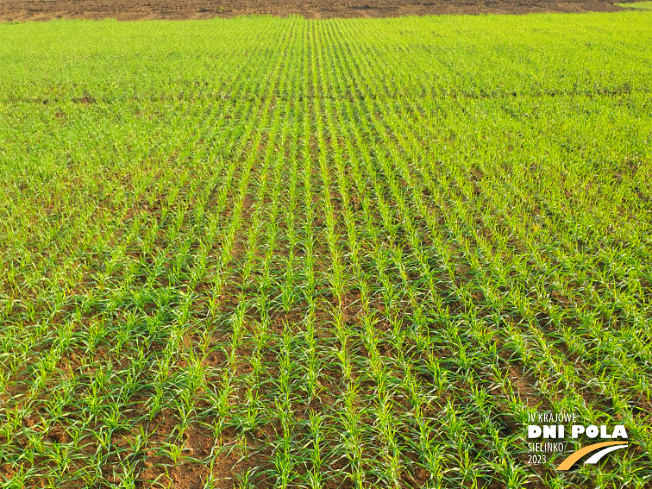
(27, 10)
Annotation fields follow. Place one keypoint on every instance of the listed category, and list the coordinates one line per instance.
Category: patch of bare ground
(39, 10)
(203, 457)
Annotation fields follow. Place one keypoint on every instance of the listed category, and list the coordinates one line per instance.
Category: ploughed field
(19, 10)
(266, 252)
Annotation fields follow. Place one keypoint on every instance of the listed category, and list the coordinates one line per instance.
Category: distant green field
(637, 5)
(266, 252)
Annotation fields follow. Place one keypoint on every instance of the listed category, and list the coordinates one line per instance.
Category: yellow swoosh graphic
(574, 457)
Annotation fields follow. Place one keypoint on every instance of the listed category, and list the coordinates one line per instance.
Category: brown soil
(22, 10)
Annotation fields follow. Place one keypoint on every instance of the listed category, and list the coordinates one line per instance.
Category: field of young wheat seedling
(359, 253)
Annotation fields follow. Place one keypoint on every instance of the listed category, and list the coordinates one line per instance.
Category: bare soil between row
(31, 10)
